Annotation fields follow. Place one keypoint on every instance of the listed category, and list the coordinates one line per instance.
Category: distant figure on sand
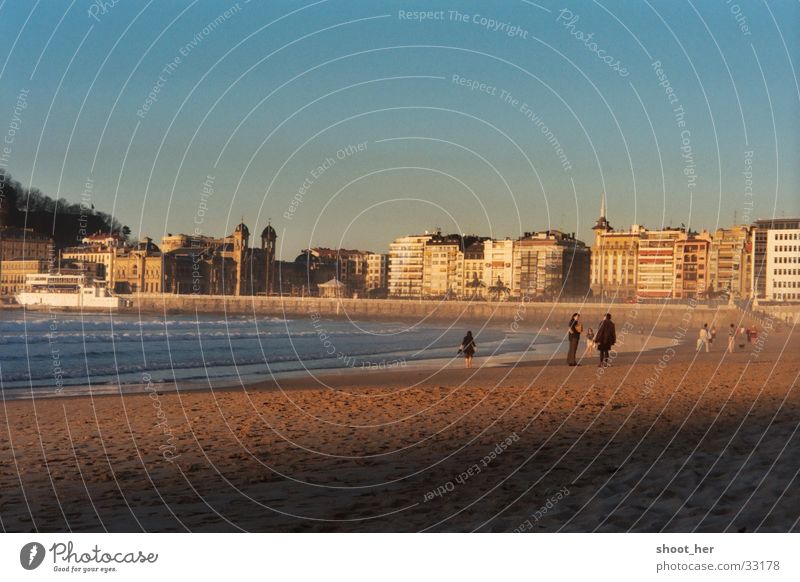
(703, 338)
(589, 342)
(574, 337)
(605, 338)
(731, 338)
(742, 337)
(468, 347)
(713, 334)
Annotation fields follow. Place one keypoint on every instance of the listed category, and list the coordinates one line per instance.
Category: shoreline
(294, 379)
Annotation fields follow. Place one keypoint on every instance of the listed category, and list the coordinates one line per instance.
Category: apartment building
(691, 279)
(406, 265)
(782, 276)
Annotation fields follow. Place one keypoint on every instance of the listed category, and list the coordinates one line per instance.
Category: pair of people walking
(604, 339)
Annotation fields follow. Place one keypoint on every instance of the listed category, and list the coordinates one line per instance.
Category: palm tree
(498, 289)
(475, 284)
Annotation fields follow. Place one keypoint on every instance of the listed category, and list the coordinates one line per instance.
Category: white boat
(57, 290)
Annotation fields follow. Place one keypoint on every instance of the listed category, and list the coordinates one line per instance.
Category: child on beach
(468, 347)
(589, 342)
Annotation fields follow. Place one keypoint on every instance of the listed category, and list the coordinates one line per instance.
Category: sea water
(46, 353)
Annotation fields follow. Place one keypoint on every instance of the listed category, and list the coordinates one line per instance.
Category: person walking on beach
(703, 337)
(713, 334)
(574, 337)
(468, 347)
(605, 337)
(589, 343)
(731, 338)
(742, 335)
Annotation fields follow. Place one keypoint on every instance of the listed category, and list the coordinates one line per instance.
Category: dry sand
(710, 446)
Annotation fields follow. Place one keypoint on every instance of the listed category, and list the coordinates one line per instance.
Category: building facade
(782, 277)
(377, 272)
(691, 280)
(190, 265)
(761, 230)
(550, 265)
(406, 265)
(730, 262)
(14, 271)
(655, 262)
(474, 285)
(498, 268)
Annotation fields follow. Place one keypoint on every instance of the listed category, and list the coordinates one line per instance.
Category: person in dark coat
(467, 348)
(605, 337)
(574, 337)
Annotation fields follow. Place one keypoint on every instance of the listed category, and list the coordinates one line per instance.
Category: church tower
(268, 244)
(598, 257)
(241, 238)
(602, 224)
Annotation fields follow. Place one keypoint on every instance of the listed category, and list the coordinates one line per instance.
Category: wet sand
(704, 442)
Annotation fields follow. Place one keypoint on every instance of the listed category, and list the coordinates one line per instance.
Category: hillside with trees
(66, 222)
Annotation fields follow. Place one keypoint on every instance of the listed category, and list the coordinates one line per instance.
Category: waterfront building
(498, 271)
(14, 271)
(99, 248)
(443, 271)
(473, 283)
(21, 249)
(691, 280)
(406, 265)
(190, 265)
(377, 272)
(614, 259)
(551, 265)
(761, 230)
(730, 262)
(23, 243)
(138, 269)
(782, 270)
(655, 262)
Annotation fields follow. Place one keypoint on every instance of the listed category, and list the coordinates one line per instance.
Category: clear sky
(573, 104)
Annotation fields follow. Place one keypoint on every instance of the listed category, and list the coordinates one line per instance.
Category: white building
(377, 271)
(783, 265)
(498, 273)
(406, 265)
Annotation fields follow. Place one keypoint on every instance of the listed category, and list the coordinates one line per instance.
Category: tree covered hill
(66, 222)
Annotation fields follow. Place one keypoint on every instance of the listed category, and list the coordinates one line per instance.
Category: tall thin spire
(602, 222)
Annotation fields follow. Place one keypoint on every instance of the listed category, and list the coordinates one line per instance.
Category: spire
(602, 222)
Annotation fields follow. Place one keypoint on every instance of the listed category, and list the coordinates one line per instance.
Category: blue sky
(263, 97)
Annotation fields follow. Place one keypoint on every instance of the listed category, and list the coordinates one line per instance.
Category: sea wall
(514, 313)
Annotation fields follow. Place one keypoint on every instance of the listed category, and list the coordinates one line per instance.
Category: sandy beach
(663, 440)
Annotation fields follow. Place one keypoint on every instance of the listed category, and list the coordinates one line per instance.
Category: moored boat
(57, 290)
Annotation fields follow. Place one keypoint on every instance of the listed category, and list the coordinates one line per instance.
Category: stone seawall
(513, 313)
